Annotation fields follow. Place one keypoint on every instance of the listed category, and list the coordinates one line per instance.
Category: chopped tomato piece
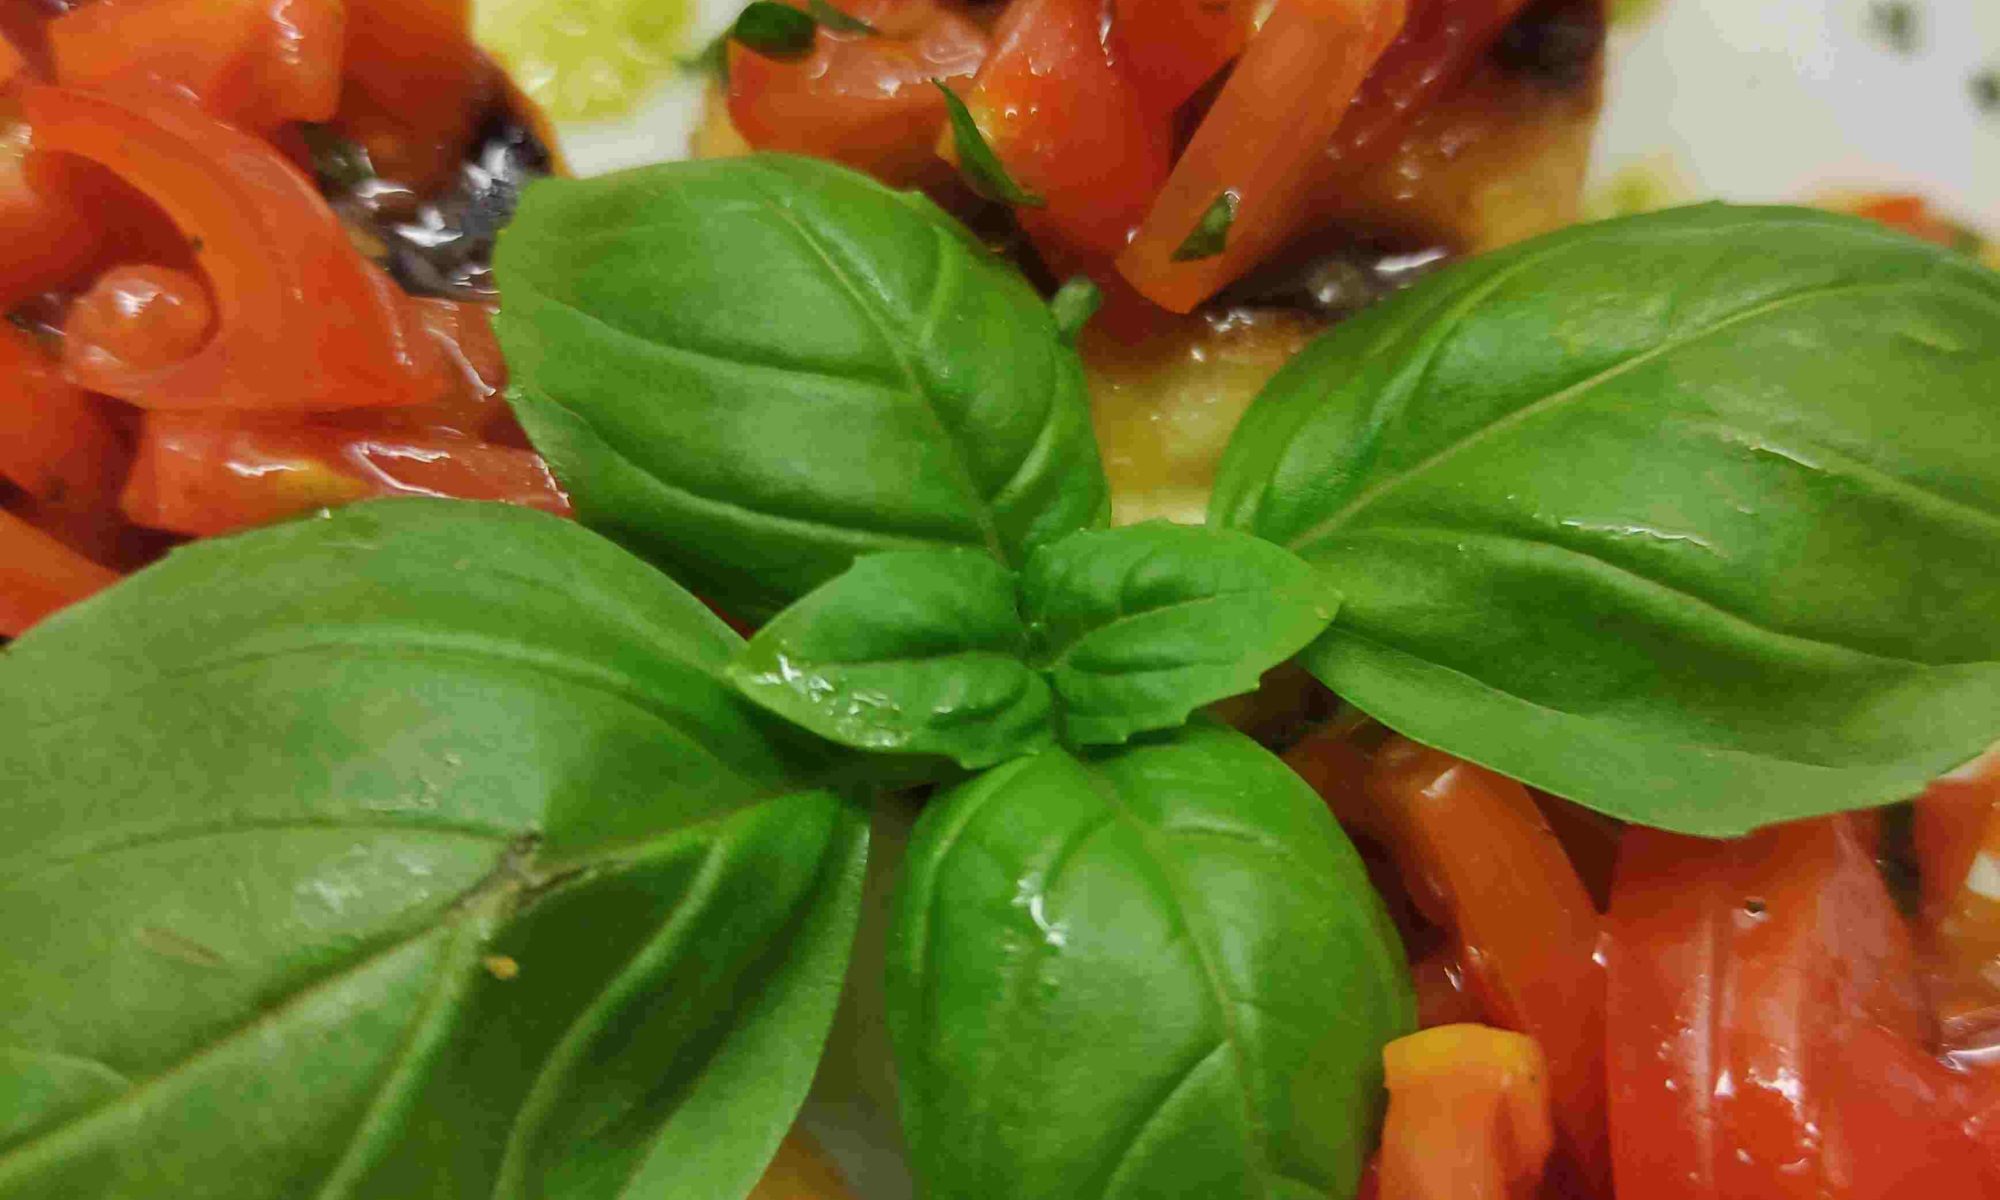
(303, 322)
(12, 61)
(1442, 995)
(1438, 47)
(1070, 127)
(1913, 215)
(143, 316)
(1957, 837)
(205, 474)
(417, 87)
(1307, 62)
(1480, 858)
(256, 63)
(859, 98)
(1170, 48)
(1468, 1116)
(1767, 1033)
(46, 235)
(39, 575)
(56, 441)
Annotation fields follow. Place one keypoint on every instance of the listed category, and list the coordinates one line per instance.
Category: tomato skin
(1480, 858)
(303, 322)
(1767, 1035)
(1061, 114)
(56, 441)
(1170, 48)
(416, 87)
(1957, 842)
(39, 576)
(1307, 61)
(860, 99)
(254, 63)
(145, 316)
(1468, 1116)
(205, 474)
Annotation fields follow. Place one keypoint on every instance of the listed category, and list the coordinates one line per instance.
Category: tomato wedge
(303, 322)
(1306, 62)
(39, 575)
(56, 441)
(1479, 857)
(255, 63)
(1170, 48)
(416, 87)
(1468, 1116)
(1767, 1033)
(864, 99)
(1438, 47)
(1957, 841)
(1070, 127)
(204, 474)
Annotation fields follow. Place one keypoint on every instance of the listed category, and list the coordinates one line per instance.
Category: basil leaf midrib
(1582, 388)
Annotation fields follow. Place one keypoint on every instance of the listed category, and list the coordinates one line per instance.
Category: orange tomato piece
(1479, 857)
(256, 63)
(857, 98)
(40, 576)
(12, 61)
(303, 322)
(416, 87)
(1069, 126)
(143, 316)
(1438, 47)
(1957, 841)
(1170, 48)
(1468, 1116)
(1259, 145)
(56, 441)
(204, 474)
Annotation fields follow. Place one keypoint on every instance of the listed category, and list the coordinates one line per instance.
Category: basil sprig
(440, 849)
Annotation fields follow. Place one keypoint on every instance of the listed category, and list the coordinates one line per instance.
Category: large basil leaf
(1693, 518)
(1151, 972)
(1139, 626)
(753, 371)
(418, 850)
(911, 652)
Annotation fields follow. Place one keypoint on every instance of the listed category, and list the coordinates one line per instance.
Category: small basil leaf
(775, 30)
(419, 850)
(978, 165)
(1210, 235)
(1074, 304)
(918, 652)
(1157, 971)
(1139, 626)
(753, 371)
(1688, 517)
(834, 19)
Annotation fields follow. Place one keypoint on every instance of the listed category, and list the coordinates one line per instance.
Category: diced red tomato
(46, 234)
(862, 99)
(205, 474)
(1069, 126)
(1170, 48)
(1468, 1116)
(144, 316)
(1957, 841)
(1443, 997)
(56, 441)
(1440, 43)
(1480, 858)
(39, 575)
(1912, 215)
(12, 61)
(1767, 1033)
(1260, 144)
(416, 89)
(303, 322)
(256, 63)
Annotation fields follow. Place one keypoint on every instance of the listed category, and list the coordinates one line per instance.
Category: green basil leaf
(1074, 304)
(833, 18)
(917, 652)
(1689, 517)
(753, 371)
(775, 30)
(978, 165)
(1137, 627)
(1210, 235)
(1157, 971)
(418, 850)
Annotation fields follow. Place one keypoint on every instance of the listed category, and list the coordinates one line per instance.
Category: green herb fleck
(776, 30)
(982, 169)
(1211, 233)
(833, 19)
(1986, 91)
(1897, 24)
(341, 164)
(1074, 304)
